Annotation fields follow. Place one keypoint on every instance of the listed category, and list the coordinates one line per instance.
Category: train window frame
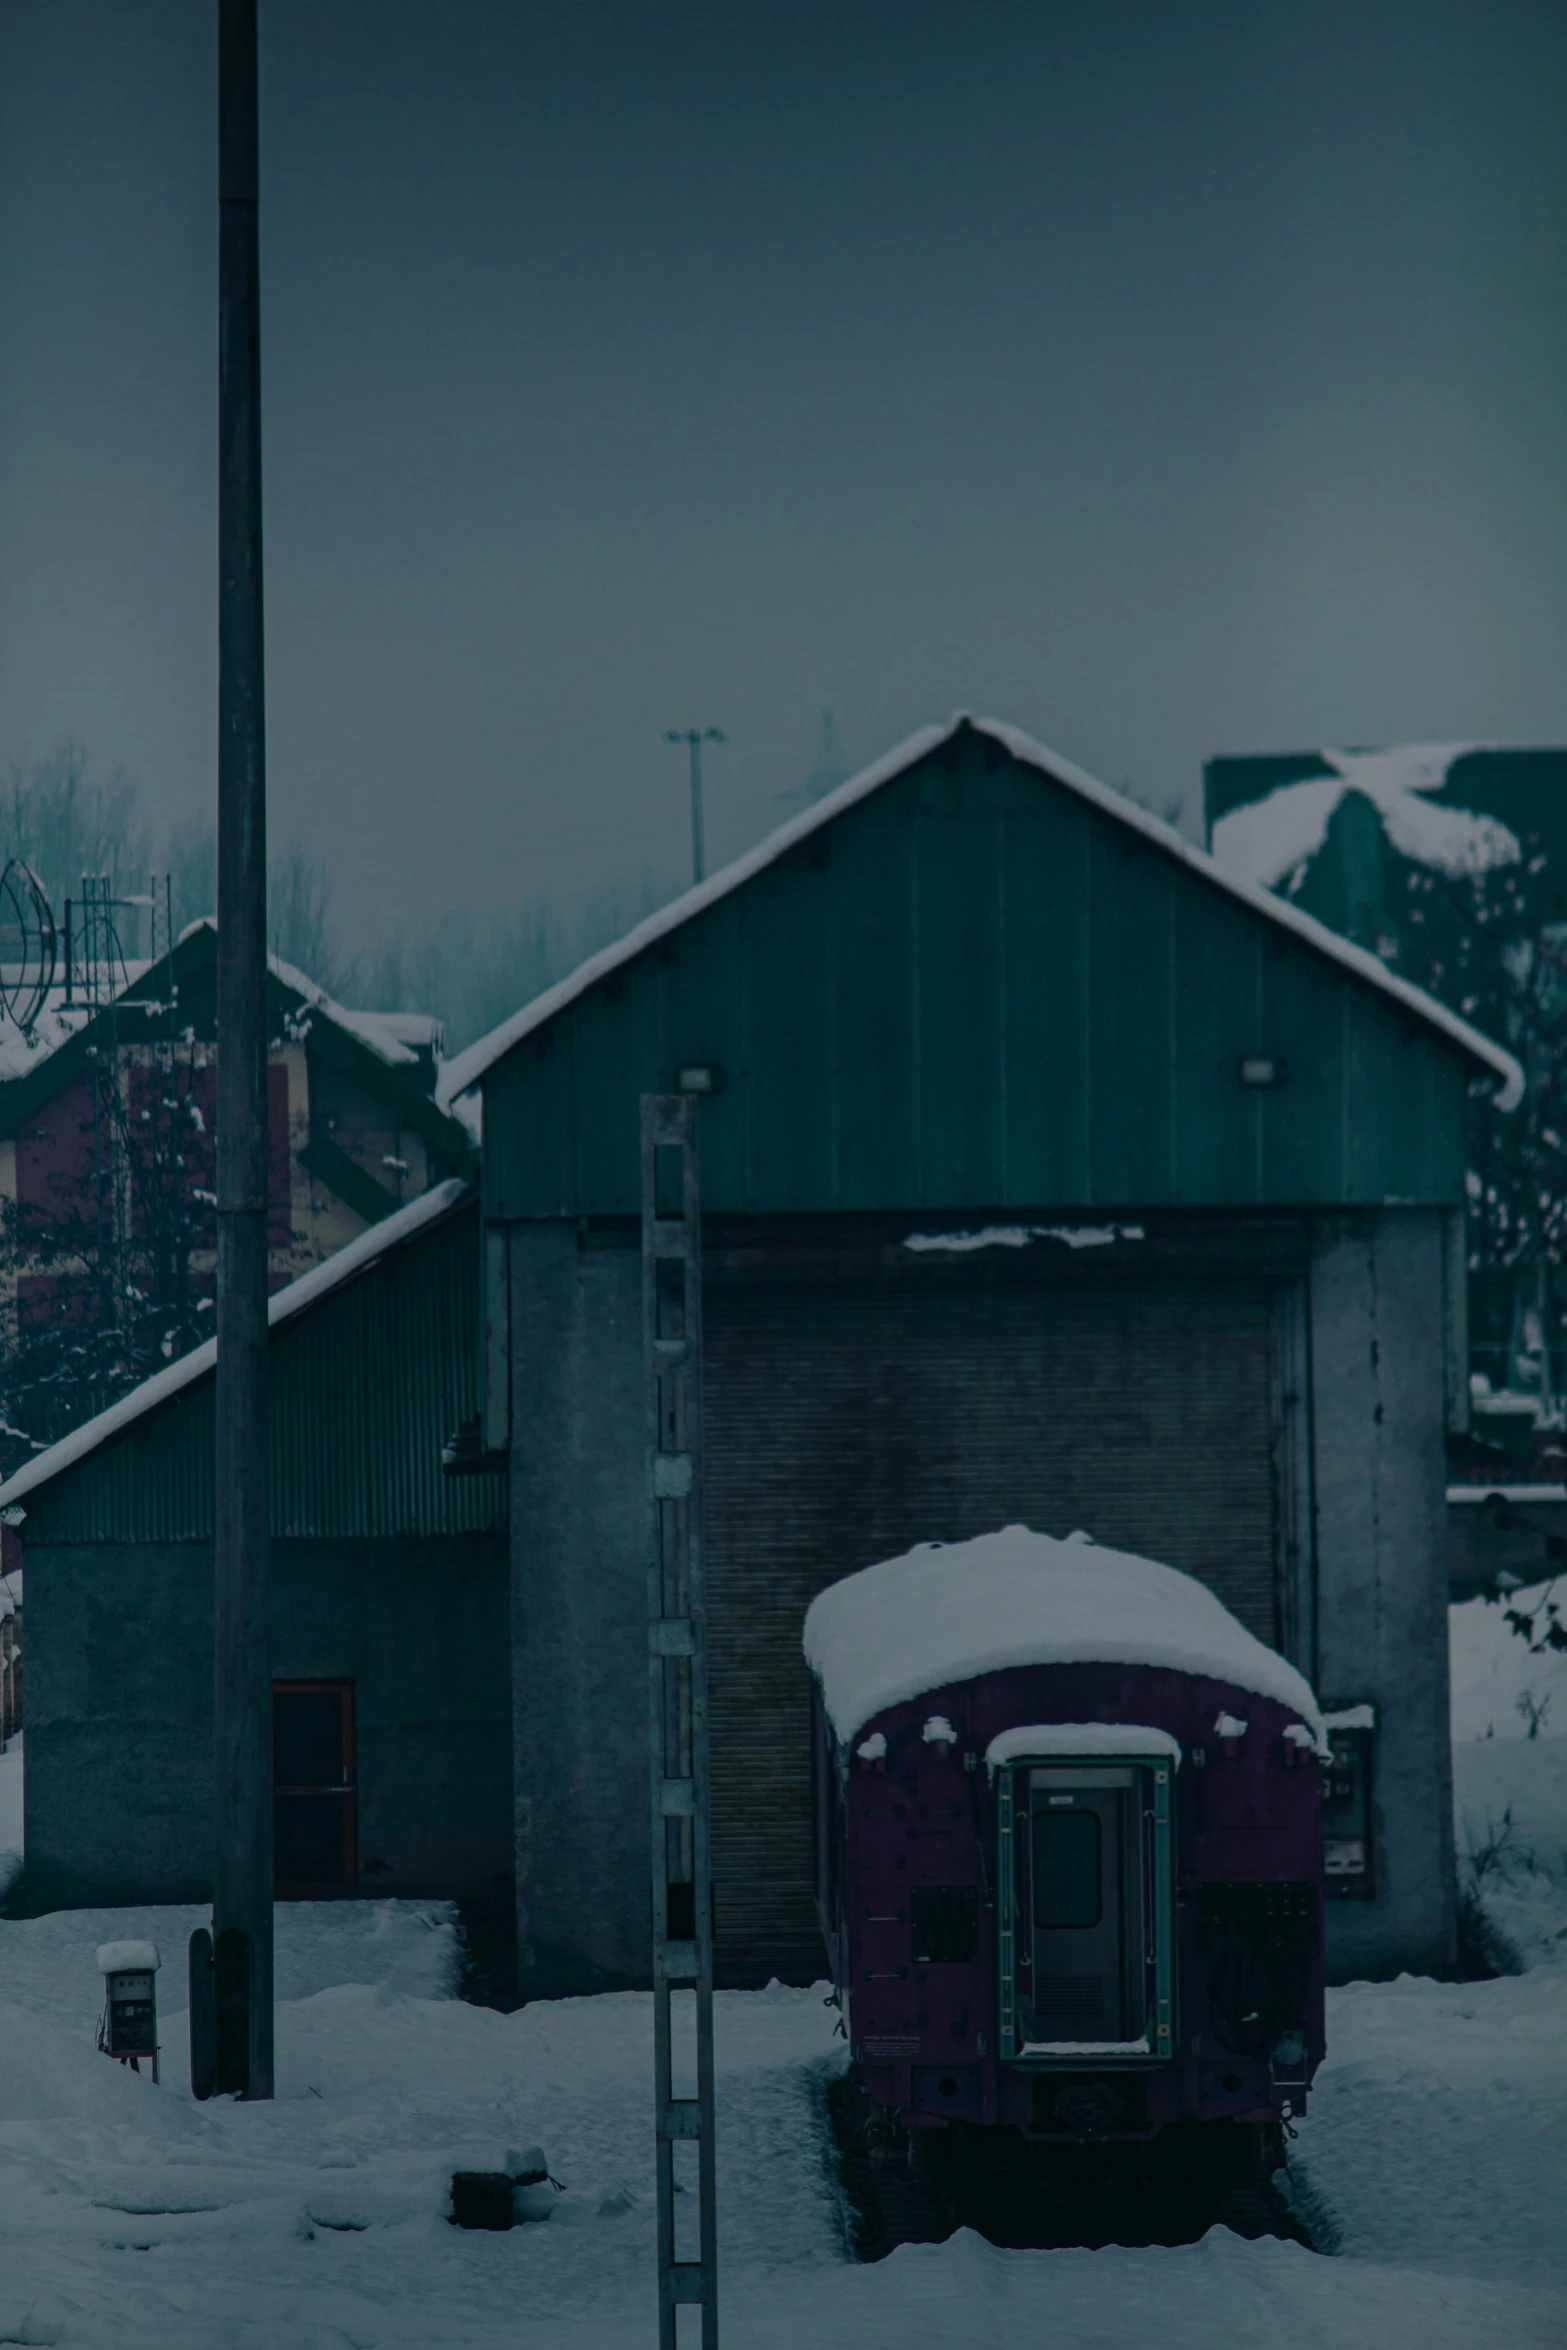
(1152, 1790)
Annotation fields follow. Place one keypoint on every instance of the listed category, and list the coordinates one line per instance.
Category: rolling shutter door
(845, 1423)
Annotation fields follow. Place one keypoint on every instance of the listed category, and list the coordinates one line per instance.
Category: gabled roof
(368, 1248)
(469, 1068)
(376, 1047)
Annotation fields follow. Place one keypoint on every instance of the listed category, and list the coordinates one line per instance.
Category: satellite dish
(29, 945)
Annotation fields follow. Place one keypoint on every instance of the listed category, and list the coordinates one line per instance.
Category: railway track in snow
(920, 2187)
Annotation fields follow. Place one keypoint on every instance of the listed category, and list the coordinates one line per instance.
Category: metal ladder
(677, 1690)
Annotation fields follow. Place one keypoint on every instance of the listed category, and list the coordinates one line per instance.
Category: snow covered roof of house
(385, 1033)
(469, 1067)
(945, 1612)
(397, 1038)
(400, 1036)
(365, 1250)
(1269, 839)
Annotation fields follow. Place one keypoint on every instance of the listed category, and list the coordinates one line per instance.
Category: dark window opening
(1066, 1869)
(944, 1923)
(315, 1804)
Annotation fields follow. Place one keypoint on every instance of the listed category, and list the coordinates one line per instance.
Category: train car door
(1085, 1907)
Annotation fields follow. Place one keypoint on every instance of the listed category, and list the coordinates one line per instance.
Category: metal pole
(677, 1712)
(694, 737)
(698, 858)
(242, 1742)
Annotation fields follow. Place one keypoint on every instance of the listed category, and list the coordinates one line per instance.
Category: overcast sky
(1166, 376)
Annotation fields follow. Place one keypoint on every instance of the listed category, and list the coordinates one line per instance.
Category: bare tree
(65, 823)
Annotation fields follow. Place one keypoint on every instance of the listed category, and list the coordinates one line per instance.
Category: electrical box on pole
(231, 1973)
(677, 1717)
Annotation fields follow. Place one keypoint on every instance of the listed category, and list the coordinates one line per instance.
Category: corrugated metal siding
(366, 1387)
(974, 991)
(843, 1425)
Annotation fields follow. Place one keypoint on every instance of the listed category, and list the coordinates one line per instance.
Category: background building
(107, 1169)
(392, 1746)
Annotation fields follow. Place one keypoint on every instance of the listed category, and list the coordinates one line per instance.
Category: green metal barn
(1050, 1175)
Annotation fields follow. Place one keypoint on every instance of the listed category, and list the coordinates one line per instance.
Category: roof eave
(470, 1068)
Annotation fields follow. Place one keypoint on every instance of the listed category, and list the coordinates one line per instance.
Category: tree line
(471, 969)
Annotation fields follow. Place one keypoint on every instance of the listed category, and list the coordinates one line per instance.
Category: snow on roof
(319, 1282)
(365, 1025)
(1269, 839)
(946, 1612)
(394, 1037)
(126, 1958)
(1079, 1738)
(380, 1031)
(399, 1036)
(469, 1067)
(20, 1055)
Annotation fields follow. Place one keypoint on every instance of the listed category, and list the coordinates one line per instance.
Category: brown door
(315, 1799)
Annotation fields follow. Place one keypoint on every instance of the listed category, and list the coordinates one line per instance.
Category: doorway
(315, 1795)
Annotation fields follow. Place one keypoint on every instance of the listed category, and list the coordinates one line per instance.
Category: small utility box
(128, 2028)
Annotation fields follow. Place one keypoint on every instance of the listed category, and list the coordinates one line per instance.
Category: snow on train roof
(945, 1612)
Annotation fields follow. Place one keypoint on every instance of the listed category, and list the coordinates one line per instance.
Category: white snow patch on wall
(944, 1613)
(960, 1244)
(1020, 1235)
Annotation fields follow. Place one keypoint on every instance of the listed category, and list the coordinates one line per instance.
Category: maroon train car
(1069, 1845)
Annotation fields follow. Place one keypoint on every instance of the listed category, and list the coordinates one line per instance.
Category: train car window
(1067, 1869)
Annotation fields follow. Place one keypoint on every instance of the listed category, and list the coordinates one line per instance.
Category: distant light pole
(694, 737)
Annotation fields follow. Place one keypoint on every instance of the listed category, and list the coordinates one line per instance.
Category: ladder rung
(672, 1636)
(683, 2118)
(682, 1961)
(671, 1237)
(670, 1350)
(687, 2280)
(677, 1799)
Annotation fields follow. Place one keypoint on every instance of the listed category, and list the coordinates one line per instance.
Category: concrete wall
(118, 1783)
(1377, 1394)
(579, 1593)
(579, 1613)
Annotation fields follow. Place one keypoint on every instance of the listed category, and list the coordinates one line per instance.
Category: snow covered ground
(1433, 2158)
(1510, 1786)
(129, 2216)
(10, 1814)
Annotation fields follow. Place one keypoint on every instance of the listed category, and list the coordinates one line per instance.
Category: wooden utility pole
(242, 1725)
